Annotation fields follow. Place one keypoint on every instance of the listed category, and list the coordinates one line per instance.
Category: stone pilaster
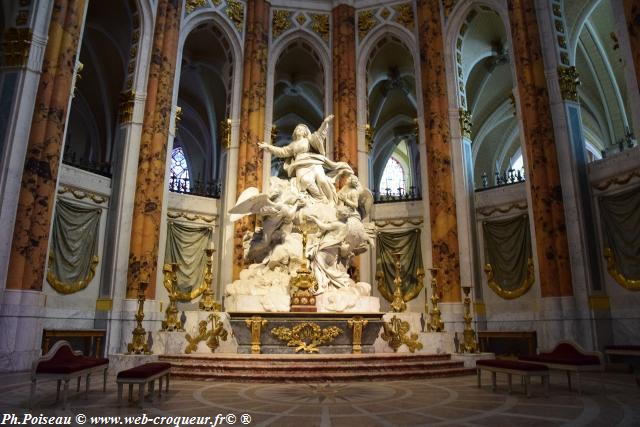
(442, 200)
(632, 15)
(543, 175)
(150, 185)
(28, 261)
(345, 135)
(252, 115)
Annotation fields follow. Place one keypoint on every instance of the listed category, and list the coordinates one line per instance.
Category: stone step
(308, 358)
(301, 376)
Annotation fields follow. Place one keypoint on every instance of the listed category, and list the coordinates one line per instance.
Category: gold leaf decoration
(192, 5)
(395, 333)
(404, 15)
(306, 336)
(213, 336)
(280, 22)
(235, 12)
(71, 287)
(511, 294)
(320, 25)
(366, 22)
(614, 271)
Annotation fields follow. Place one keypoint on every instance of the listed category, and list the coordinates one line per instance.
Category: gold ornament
(404, 15)
(320, 25)
(192, 5)
(395, 333)
(225, 132)
(171, 321)
(16, 45)
(139, 344)
(255, 324)
(357, 324)
(569, 80)
(280, 22)
(208, 301)
(125, 108)
(235, 12)
(398, 303)
(469, 335)
(465, 123)
(303, 286)
(368, 137)
(436, 324)
(213, 337)
(71, 287)
(306, 336)
(366, 22)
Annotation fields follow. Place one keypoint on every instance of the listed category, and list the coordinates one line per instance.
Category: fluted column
(150, 184)
(252, 115)
(442, 200)
(632, 15)
(345, 137)
(543, 175)
(28, 261)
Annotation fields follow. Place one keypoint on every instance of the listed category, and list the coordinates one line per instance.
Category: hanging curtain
(73, 252)
(407, 244)
(621, 227)
(185, 247)
(509, 266)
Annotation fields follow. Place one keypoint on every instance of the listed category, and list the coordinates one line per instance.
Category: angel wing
(365, 203)
(251, 202)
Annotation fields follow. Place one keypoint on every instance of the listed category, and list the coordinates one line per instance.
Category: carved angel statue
(277, 209)
(306, 161)
(355, 197)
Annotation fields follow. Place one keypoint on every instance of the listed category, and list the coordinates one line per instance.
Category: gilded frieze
(320, 25)
(366, 22)
(280, 22)
(404, 15)
(235, 12)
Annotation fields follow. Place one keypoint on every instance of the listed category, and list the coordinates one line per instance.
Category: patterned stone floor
(610, 400)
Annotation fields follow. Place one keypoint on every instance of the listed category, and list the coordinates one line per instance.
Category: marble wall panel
(442, 201)
(28, 261)
(542, 160)
(150, 185)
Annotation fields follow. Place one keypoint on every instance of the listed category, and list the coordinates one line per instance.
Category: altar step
(303, 368)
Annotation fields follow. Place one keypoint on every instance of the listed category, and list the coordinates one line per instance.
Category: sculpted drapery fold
(252, 116)
(37, 191)
(542, 158)
(442, 201)
(150, 185)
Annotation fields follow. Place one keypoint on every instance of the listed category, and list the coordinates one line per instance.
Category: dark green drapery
(73, 254)
(407, 243)
(620, 215)
(508, 250)
(185, 246)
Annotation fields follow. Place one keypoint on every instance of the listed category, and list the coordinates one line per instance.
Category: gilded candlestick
(208, 301)
(139, 344)
(468, 335)
(436, 324)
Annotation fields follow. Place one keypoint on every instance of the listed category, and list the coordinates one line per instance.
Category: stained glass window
(179, 171)
(393, 178)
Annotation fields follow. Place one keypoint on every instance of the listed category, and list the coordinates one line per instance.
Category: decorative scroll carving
(235, 12)
(366, 22)
(569, 81)
(506, 294)
(306, 336)
(213, 336)
(320, 25)
(191, 216)
(280, 22)
(16, 46)
(489, 212)
(125, 108)
(79, 194)
(617, 180)
(192, 5)
(404, 15)
(399, 222)
(612, 268)
(395, 333)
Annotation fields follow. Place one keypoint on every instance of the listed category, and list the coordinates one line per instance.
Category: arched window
(517, 162)
(179, 171)
(393, 178)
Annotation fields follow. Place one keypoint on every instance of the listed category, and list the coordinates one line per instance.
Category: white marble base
(120, 362)
(470, 359)
(176, 342)
(432, 342)
(324, 304)
(21, 316)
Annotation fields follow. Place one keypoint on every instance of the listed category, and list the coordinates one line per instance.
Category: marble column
(442, 200)
(150, 184)
(632, 14)
(28, 261)
(252, 115)
(345, 135)
(543, 176)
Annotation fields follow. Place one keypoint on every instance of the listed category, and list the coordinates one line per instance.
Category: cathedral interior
(323, 212)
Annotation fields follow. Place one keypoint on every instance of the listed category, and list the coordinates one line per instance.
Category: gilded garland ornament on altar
(208, 301)
(139, 344)
(213, 336)
(306, 336)
(436, 324)
(171, 321)
(396, 332)
(469, 343)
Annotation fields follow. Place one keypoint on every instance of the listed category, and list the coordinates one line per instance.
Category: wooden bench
(622, 350)
(571, 358)
(514, 367)
(144, 375)
(62, 363)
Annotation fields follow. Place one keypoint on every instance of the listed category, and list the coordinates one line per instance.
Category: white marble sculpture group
(336, 223)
